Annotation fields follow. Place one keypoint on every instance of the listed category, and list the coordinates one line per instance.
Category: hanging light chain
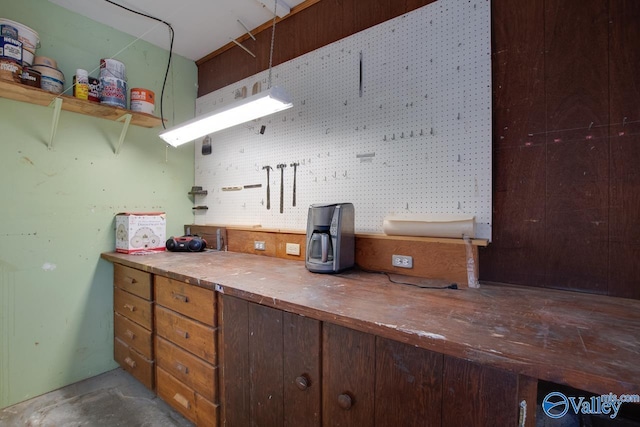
(273, 37)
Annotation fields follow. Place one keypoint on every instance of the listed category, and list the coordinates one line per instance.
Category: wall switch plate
(402, 261)
(293, 249)
(259, 246)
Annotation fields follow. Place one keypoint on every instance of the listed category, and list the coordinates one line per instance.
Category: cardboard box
(140, 232)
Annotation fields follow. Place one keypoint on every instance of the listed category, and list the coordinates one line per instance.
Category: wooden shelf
(31, 95)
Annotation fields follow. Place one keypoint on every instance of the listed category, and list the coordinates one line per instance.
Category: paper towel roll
(430, 225)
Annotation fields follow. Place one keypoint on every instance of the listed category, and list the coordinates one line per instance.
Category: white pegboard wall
(415, 137)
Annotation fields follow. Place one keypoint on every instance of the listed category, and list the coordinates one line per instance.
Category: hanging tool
(281, 166)
(295, 167)
(268, 168)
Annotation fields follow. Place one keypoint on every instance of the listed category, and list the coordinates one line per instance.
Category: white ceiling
(200, 26)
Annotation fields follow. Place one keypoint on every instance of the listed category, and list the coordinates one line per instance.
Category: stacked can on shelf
(113, 80)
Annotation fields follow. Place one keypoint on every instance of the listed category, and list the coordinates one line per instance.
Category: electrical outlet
(402, 261)
(293, 249)
(259, 246)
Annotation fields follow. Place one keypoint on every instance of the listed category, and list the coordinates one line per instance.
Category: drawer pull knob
(130, 334)
(181, 368)
(182, 400)
(183, 334)
(130, 280)
(180, 297)
(345, 401)
(302, 382)
(130, 307)
(129, 361)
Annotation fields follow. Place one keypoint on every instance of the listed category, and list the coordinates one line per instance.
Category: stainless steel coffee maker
(330, 238)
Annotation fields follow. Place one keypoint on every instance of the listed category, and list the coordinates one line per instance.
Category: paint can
(43, 60)
(30, 77)
(81, 84)
(10, 49)
(114, 92)
(51, 79)
(10, 70)
(27, 36)
(112, 68)
(142, 100)
(95, 88)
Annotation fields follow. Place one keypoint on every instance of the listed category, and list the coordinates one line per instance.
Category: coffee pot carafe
(330, 238)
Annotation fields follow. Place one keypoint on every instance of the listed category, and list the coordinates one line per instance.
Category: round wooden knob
(302, 382)
(345, 401)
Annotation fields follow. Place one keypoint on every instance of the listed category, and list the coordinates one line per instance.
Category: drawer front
(190, 300)
(133, 335)
(131, 280)
(134, 363)
(207, 412)
(187, 368)
(192, 336)
(133, 308)
(176, 394)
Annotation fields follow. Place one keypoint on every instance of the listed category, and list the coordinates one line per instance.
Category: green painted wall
(57, 207)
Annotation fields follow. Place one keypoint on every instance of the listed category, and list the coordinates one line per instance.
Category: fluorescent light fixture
(253, 107)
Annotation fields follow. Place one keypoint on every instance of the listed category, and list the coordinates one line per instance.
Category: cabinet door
(408, 385)
(348, 375)
(480, 396)
(270, 366)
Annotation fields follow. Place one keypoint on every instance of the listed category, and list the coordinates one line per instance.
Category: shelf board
(31, 95)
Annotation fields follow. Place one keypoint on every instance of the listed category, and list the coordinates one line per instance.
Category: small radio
(186, 244)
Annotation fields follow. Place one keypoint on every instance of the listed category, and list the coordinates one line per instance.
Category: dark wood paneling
(302, 351)
(348, 369)
(360, 15)
(624, 62)
(400, 7)
(235, 362)
(576, 67)
(478, 396)
(408, 385)
(624, 233)
(576, 235)
(576, 36)
(518, 73)
(515, 256)
(265, 366)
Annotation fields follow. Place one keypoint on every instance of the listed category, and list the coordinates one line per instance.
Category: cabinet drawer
(133, 335)
(207, 412)
(192, 336)
(184, 366)
(134, 363)
(133, 307)
(176, 394)
(131, 280)
(190, 300)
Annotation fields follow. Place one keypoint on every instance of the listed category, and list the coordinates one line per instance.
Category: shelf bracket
(123, 134)
(57, 106)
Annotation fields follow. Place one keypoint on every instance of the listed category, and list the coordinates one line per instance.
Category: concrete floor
(112, 399)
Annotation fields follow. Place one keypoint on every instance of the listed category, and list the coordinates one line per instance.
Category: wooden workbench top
(589, 342)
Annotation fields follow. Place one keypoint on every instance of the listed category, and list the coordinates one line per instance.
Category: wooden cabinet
(478, 395)
(373, 381)
(133, 323)
(169, 344)
(186, 349)
(270, 366)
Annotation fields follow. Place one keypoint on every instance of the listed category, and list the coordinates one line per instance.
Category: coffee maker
(330, 238)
